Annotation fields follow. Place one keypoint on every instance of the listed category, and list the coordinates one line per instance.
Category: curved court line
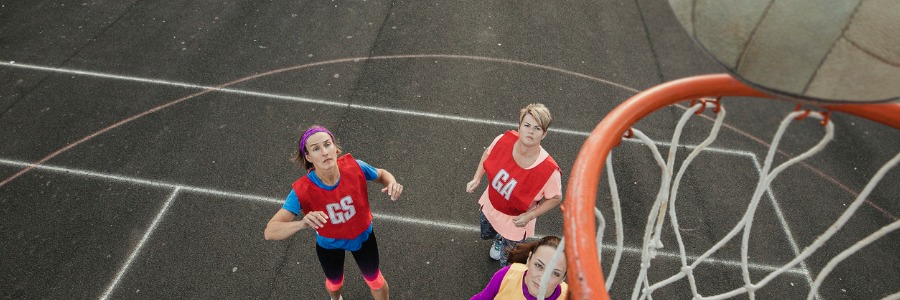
(180, 189)
(222, 87)
(258, 75)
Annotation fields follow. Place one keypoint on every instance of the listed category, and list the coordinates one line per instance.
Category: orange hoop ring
(585, 277)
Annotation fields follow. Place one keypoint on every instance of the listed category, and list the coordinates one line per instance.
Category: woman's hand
(472, 185)
(393, 189)
(523, 219)
(537, 211)
(479, 171)
(315, 219)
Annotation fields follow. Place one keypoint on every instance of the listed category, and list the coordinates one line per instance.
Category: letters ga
(503, 184)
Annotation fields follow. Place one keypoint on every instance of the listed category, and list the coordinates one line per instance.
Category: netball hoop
(585, 276)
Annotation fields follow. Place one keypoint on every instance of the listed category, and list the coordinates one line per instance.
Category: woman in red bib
(524, 182)
(335, 201)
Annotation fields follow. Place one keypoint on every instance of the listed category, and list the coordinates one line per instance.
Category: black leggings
(366, 257)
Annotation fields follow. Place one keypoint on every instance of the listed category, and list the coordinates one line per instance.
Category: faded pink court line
(206, 90)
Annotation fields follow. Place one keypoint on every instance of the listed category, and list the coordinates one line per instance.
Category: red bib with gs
(347, 205)
(513, 188)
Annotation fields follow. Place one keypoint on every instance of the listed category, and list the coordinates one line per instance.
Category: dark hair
(520, 253)
(298, 156)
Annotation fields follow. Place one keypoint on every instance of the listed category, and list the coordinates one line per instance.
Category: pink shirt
(503, 223)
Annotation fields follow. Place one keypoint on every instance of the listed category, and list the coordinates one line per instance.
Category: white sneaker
(495, 250)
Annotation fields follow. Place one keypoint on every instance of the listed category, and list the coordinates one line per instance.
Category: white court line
(389, 217)
(804, 270)
(137, 249)
(786, 230)
(319, 101)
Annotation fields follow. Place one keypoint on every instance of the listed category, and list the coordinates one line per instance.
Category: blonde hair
(539, 112)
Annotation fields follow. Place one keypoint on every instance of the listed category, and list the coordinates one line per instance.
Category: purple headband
(309, 132)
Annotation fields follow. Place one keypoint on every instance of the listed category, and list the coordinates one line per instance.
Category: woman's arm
(553, 186)
(282, 224)
(391, 187)
(479, 171)
(544, 207)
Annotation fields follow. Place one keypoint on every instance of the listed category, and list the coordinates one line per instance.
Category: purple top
(493, 287)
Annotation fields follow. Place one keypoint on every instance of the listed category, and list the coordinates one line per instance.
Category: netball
(826, 51)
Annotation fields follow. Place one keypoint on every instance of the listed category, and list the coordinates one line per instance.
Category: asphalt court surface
(158, 186)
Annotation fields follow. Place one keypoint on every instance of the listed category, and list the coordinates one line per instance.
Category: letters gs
(341, 212)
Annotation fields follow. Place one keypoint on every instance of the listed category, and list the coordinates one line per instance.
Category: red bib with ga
(513, 188)
(347, 205)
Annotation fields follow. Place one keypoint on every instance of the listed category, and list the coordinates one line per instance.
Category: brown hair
(298, 156)
(522, 251)
(539, 112)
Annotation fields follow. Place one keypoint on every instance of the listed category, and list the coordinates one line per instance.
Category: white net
(663, 211)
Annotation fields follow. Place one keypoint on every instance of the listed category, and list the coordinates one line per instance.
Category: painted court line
(389, 217)
(222, 88)
(318, 101)
(377, 109)
(371, 108)
(786, 229)
(140, 245)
